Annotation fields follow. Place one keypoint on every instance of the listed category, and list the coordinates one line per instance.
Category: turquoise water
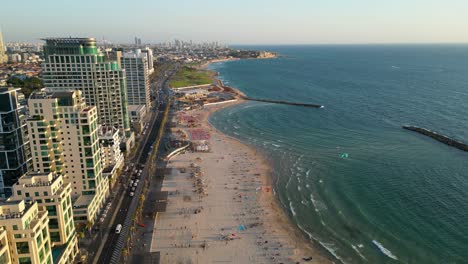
(398, 197)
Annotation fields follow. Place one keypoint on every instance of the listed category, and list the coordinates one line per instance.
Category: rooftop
(83, 201)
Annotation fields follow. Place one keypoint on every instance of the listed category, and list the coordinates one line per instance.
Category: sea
(352, 180)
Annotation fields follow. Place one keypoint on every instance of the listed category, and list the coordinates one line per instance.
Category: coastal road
(113, 243)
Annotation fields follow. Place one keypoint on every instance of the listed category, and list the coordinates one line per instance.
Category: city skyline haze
(240, 22)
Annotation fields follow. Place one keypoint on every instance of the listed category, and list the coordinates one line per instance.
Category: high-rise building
(14, 143)
(135, 64)
(149, 55)
(64, 139)
(27, 233)
(54, 196)
(77, 64)
(3, 56)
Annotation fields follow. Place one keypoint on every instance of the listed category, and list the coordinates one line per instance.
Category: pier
(282, 102)
(441, 138)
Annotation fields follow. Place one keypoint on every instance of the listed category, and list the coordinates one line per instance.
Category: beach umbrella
(241, 228)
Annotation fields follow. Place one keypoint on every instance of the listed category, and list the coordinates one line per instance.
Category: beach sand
(238, 221)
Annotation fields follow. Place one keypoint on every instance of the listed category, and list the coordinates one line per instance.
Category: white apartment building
(64, 139)
(135, 64)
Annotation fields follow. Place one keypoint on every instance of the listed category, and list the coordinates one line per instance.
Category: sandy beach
(221, 208)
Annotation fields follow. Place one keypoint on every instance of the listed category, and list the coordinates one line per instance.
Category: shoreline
(268, 178)
(320, 254)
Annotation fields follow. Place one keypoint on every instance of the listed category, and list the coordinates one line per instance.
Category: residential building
(137, 115)
(3, 56)
(111, 156)
(27, 233)
(4, 247)
(149, 55)
(64, 139)
(77, 64)
(135, 64)
(14, 143)
(53, 195)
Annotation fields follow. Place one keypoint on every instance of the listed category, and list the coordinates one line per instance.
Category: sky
(239, 21)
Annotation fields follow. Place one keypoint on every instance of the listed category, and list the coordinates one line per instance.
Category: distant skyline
(239, 22)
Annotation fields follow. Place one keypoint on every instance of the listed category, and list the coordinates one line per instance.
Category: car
(137, 180)
(133, 189)
(135, 184)
(132, 194)
(118, 228)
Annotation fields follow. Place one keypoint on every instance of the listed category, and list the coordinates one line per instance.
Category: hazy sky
(239, 21)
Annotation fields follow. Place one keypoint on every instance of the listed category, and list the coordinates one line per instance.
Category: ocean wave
(385, 251)
(307, 173)
(291, 207)
(327, 246)
(330, 247)
(288, 182)
(236, 127)
(359, 252)
(276, 145)
(319, 206)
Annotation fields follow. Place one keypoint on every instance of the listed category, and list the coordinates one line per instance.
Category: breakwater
(441, 138)
(282, 102)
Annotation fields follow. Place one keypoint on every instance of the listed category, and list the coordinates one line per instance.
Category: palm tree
(89, 225)
(125, 254)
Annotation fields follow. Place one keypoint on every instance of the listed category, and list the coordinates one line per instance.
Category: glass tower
(77, 64)
(15, 156)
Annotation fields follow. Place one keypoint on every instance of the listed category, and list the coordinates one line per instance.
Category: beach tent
(241, 228)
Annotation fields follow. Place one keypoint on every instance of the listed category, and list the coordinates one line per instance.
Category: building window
(24, 260)
(22, 247)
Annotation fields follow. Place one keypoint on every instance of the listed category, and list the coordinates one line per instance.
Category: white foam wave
(357, 250)
(276, 145)
(330, 247)
(327, 246)
(319, 206)
(291, 207)
(307, 173)
(385, 251)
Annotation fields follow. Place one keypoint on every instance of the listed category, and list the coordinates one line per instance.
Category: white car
(132, 194)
